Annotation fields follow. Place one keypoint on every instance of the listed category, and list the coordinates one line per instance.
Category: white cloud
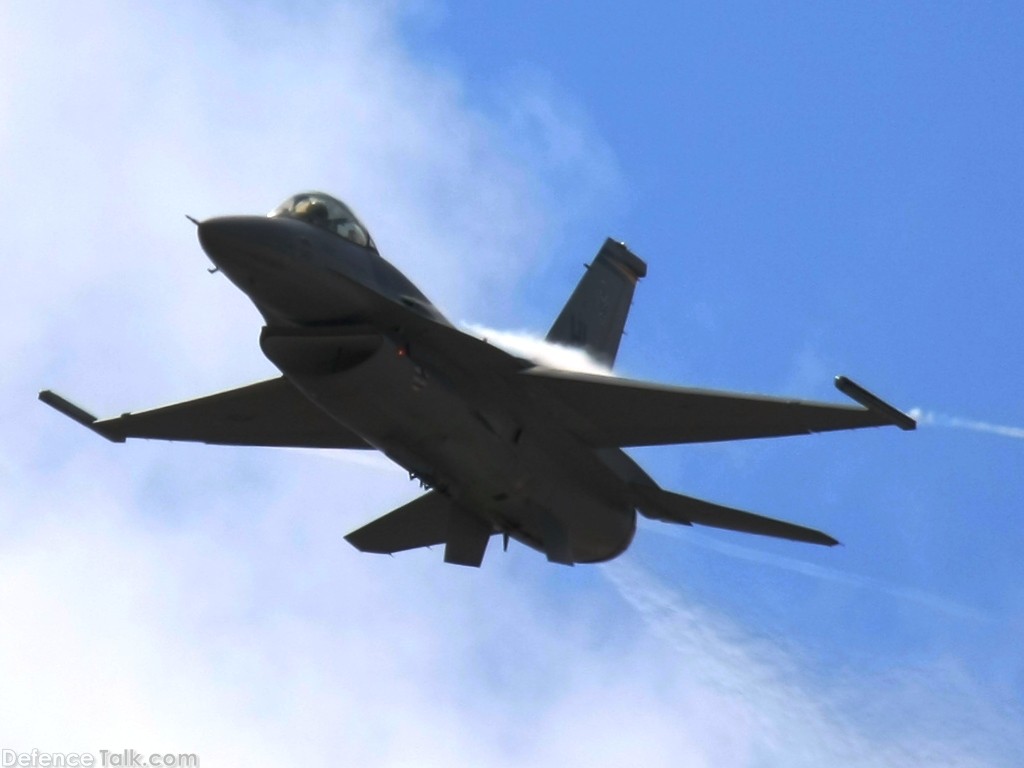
(202, 599)
(755, 703)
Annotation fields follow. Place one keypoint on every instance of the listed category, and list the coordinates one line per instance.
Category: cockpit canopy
(325, 212)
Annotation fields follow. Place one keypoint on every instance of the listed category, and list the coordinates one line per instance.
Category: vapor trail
(520, 343)
(815, 571)
(931, 418)
(779, 712)
(360, 458)
(537, 350)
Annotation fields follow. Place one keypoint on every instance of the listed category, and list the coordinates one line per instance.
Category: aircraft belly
(568, 491)
(532, 481)
(406, 412)
(592, 531)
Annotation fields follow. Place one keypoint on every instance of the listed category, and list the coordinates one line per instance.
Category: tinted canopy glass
(325, 212)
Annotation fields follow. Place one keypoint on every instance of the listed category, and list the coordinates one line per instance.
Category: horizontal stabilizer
(423, 522)
(430, 520)
(268, 413)
(659, 504)
(606, 411)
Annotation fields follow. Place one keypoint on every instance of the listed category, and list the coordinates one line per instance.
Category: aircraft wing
(268, 413)
(606, 411)
(659, 504)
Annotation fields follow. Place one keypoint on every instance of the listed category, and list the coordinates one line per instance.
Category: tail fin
(595, 315)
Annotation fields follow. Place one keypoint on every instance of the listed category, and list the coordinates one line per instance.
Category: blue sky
(817, 189)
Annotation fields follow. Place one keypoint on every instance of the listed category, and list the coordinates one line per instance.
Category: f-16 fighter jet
(503, 445)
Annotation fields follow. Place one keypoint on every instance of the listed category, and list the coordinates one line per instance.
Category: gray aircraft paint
(502, 445)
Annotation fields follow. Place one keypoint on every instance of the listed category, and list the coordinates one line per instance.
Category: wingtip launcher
(875, 404)
(78, 414)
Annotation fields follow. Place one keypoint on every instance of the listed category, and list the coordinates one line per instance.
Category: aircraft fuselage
(457, 429)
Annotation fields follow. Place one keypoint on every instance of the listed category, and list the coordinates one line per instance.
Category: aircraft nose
(218, 236)
(249, 243)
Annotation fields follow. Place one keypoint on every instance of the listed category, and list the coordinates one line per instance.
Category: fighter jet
(502, 444)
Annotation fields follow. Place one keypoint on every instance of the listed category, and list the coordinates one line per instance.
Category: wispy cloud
(776, 712)
(816, 571)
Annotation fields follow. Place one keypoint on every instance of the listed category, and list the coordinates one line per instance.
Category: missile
(874, 403)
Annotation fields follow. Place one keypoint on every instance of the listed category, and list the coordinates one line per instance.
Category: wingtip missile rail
(77, 413)
(875, 404)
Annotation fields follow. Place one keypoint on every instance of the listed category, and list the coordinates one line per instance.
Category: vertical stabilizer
(595, 315)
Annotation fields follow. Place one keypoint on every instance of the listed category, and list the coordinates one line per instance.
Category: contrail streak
(824, 573)
(930, 418)
(359, 458)
(538, 350)
(785, 714)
